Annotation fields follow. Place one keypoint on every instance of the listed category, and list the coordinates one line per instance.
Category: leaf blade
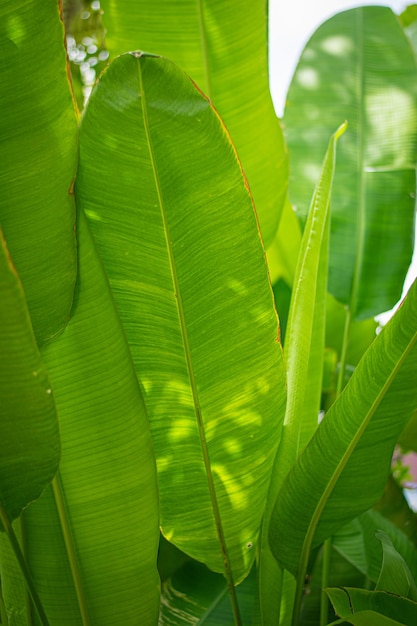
(227, 311)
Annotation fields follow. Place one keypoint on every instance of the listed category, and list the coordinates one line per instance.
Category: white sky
(291, 24)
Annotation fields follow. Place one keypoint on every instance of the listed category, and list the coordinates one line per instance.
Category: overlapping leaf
(359, 66)
(174, 222)
(38, 148)
(29, 436)
(91, 542)
(227, 58)
(354, 443)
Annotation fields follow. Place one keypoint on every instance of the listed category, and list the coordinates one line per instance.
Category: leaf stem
(23, 565)
(70, 548)
(324, 600)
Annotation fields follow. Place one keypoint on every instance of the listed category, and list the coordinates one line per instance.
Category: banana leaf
(228, 59)
(304, 348)
(38, 150)
(343, 469)
(359, 66)
(194, 595)
(91, 539)
(357, 542)
(173, 219)
(29, 437)
(374, 608)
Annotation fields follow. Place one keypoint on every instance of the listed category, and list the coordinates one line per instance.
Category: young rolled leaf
(359, 66)
(354, 443)
(29, 435)
(38, 151)
(207, 41)
(91, 541)
(173, 219)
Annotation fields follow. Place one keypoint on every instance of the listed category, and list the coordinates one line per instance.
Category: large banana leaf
(343, 469)
(174, 222)
(227, 58)
(38, 147)
(359, 66)
(91, 541)
(29, 437)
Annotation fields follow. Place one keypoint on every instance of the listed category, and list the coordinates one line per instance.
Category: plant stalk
(23, 566)
(70, 548)
(324, 600)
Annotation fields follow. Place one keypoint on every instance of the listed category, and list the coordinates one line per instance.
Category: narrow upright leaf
(228, 59)
(29, 436)
(359, 66)
(38, 149)
(173, 219)
(304, 346)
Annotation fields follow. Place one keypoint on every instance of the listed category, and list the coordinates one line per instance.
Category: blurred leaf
(378, 607)
(181, 247)
(359, 66)
(227, 58)
(357, 542)
(408, 437)
(91, 542)
(394, 506)
(195, 595)
(29, 435)
(38, 150)
(354, 443)
(395, 576)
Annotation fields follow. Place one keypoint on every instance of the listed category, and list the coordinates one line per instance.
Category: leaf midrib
(185, 339)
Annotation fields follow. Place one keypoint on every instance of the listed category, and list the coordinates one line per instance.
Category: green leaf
(29, 435)
(207, 41)
(355, 605)
(395, 575)
(357, 542)
(38, 150)
(195, 595)
(304, 345)
(354, 444)
(174, 222)
(91, 542)
(305, 333)
(359, 66)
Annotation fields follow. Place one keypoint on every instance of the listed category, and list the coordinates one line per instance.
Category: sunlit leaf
(174, 222)
(227, 58)
(359, 66)
(304, 346)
